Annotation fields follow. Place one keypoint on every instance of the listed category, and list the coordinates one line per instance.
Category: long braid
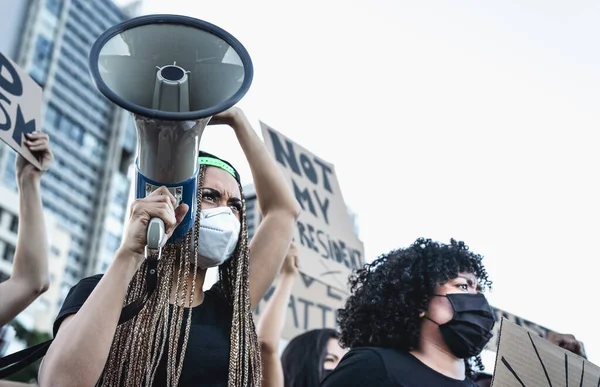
(140, 344)
(244, 355)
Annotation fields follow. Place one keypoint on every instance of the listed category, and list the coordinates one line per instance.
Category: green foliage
(29, 373)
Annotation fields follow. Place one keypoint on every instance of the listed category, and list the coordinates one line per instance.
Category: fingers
(37, 141)
(160, 204)
(292, 250)
(147, 209)
(180, 212)
(162, 194)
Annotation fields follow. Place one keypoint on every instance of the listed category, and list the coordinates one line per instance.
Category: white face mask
(219, 234)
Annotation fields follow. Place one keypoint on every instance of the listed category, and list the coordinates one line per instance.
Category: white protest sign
(324, 235)
(312, 305)
(525, 359)
(20, 107)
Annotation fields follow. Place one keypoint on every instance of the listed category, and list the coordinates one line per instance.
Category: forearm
(5, 383)
(31, 254)
(81, 348)
(272, 370)
(272, 320)
(271, 190)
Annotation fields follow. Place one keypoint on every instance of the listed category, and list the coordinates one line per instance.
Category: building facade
(252, 213)
(93, 140)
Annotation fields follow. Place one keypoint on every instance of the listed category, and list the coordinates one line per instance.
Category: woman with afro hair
(415, 318)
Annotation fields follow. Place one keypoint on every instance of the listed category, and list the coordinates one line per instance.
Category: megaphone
(173, 73)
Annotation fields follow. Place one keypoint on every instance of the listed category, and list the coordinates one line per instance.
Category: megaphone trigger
(155, 234)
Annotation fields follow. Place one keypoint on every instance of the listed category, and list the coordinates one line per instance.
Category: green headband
(217, 163)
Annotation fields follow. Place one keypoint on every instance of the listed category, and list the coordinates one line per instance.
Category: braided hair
(140, 344)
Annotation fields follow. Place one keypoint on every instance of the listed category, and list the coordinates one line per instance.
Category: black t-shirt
(381, 367)
(206, 360)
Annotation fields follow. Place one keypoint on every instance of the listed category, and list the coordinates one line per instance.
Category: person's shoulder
(361, 366)
(384, 355)
(85, 284)
(75, 299)
(94, 278)
(217, 291)
(366, 352)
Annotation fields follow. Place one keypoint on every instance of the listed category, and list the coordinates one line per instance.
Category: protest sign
(525, 359)
(324, 232)
(526, 324)
(312, 305)
(20, 107)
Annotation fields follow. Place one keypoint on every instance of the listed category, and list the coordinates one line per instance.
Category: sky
(444, 119)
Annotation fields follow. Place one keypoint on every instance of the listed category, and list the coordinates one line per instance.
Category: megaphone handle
(155, 234)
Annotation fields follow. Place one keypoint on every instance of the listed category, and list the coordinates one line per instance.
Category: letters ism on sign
(324, 232)
(20, 107)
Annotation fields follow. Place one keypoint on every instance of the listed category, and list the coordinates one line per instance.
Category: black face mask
(470, 329)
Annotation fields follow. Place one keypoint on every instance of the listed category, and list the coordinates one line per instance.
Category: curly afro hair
(388, 294)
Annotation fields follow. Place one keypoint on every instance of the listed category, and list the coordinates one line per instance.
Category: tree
(31, 338)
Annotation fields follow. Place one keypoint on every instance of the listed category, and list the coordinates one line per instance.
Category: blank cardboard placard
(526, 360)
(20, 107)
(537, 329)
(324, 231)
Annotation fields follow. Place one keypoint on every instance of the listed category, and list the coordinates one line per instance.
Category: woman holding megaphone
(183, 335)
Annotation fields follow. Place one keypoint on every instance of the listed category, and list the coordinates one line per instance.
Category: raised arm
(4, 383)
(30, 276)
(272, 321)
(80, 349)
(275, 199)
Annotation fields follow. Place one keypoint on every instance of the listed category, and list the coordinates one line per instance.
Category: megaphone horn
(173, 73)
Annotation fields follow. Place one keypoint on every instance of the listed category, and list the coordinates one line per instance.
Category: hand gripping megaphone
(173, 73)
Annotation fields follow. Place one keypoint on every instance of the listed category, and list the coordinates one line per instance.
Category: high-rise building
(93, 140)
(354, 217)
(252, 216)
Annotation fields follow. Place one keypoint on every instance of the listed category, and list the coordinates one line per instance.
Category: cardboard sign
(20, 107)
(312, 305)
(325, 233)
(525, 359)
(526, 324)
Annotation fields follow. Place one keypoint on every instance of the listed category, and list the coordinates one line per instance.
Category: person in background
(566, 341)
(414, 318)
(183, 335)
(30, 276)
(308, 357)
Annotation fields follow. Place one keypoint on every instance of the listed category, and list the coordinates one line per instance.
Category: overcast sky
(465, 119)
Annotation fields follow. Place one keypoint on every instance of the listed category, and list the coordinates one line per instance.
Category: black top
(381, 367)
(207, 356)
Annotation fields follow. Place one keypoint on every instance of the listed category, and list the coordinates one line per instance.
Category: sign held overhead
(20, 108)
(324, 234)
